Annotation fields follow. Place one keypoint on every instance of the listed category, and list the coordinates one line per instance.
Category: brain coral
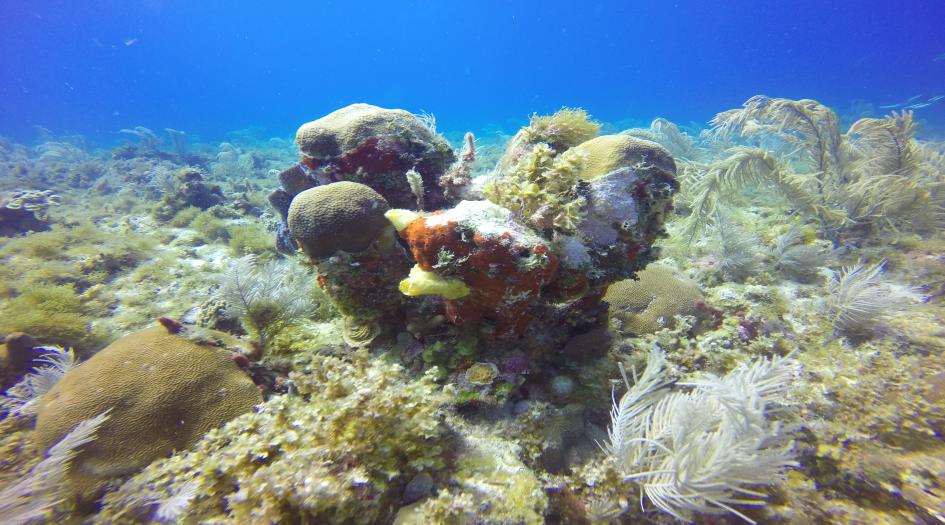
(164, 393)
(650, 303)
(376, 146)
(610, 152)
(339, 216)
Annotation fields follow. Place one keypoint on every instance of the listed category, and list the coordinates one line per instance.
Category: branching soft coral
(700, 451)
(745, 167)
(872, 177)
(268, 298)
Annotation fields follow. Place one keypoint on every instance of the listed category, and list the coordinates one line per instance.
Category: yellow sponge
(422, 282)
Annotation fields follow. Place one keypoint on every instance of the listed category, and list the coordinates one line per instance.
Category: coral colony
(568, 325)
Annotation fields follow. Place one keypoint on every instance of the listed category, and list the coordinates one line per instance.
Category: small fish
(918, 106)
(130, 42)
(936, 98)
(902, 104)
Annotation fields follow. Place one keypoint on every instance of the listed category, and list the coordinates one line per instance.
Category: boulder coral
(607, 153)
(343, 451)
(163, 392)
(342, 229)
(339, 216)
(377, 147)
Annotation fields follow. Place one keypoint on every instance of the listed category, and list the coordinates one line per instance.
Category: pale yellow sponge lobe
(422, 282)
(401, 218)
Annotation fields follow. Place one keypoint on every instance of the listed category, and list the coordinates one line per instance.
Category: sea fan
(23, 397)
(805, 124)
(699, 451)
(32, 497)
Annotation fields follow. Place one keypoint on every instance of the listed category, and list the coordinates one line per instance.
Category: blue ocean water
(208, 67)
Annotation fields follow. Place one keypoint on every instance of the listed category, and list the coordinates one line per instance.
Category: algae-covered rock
(343, 451)
(651, 302)
(340, 216)
(566, 128)
(377, 147)
(164, 393)
(611, 152)
(490, 485)
(190, 190)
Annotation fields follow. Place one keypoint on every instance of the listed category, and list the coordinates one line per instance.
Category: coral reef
(190, 190)
(451, 359)
(163, 392)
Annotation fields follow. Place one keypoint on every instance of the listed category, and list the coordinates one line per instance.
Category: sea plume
(700, 450)
(31, 498)
(267, 297)
(23, 397)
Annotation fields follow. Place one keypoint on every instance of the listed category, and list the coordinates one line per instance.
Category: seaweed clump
(540, 170)
(341, 452)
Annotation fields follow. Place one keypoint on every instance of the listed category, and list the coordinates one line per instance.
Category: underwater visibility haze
(472, 263)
